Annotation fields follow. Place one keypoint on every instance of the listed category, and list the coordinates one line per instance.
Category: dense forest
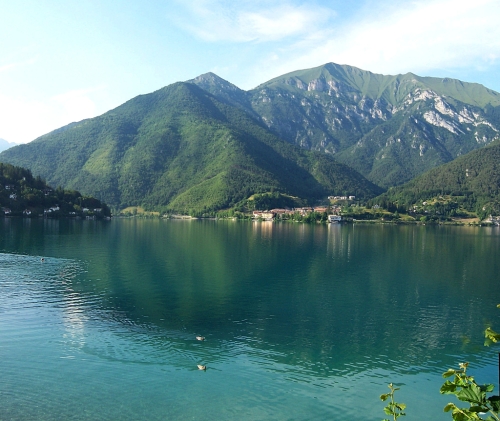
(21, 194)
(471, 183)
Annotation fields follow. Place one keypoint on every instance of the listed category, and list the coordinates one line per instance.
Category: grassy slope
(393, 88)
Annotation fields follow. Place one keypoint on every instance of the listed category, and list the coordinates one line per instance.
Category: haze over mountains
(205, 144)
(6, 145)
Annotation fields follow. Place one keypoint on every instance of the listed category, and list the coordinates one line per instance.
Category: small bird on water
(200, 338)
(202, 367)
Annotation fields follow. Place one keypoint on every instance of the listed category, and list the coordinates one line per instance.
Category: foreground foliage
(465, 388)
(393, 408)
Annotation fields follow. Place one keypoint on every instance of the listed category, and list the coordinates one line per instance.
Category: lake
(301, 322)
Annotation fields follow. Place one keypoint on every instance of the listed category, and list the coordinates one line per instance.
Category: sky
(64, 61)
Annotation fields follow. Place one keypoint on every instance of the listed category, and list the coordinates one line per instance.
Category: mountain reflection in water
(337, 307)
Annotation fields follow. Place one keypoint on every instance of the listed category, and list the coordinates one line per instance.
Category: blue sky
(63, 61)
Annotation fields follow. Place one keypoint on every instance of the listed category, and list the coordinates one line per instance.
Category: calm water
(301, 322)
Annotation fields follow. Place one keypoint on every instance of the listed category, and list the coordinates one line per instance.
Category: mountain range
(388, 128)
(206, 145)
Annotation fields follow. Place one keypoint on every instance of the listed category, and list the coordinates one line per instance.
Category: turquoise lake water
(301, 322)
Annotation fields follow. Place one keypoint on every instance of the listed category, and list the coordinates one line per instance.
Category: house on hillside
(495, 220)
(267, 215)
(321, 209)
(304, 211)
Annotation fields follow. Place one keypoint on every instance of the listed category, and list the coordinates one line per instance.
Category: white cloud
(24, 120)
(243, 21)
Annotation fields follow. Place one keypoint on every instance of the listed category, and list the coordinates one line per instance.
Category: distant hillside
(23, 194)
(6, 145)
(473, 180)
(389, 128)
(181, 149)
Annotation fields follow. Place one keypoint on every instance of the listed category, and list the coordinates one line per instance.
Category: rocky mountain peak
(210, 81)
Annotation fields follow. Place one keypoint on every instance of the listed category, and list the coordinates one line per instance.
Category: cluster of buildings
(279, 213)
(341, 197)
(495, 220)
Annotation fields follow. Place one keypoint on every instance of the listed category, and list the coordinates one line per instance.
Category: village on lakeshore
(333, 212)
(330, 213)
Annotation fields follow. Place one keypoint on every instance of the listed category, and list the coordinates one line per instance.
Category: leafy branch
(393, 408)
(490, 335)
(465, 388)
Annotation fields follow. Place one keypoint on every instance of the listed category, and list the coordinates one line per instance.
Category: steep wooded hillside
(181, 149)
(21, 194)
(472, 180)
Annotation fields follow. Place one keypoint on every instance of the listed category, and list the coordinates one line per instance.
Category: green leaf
(449, 407)
(448, 387)
(472, 393)
(449, 373)
(384, 396)
(488, 342)
(388, 411)
(478, 408)
(491, 335)
(487, 387)
(459, 416)
(495, 403)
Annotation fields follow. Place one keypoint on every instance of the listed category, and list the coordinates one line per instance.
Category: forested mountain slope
(181, 149)
(23, 194)
(472, 180)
